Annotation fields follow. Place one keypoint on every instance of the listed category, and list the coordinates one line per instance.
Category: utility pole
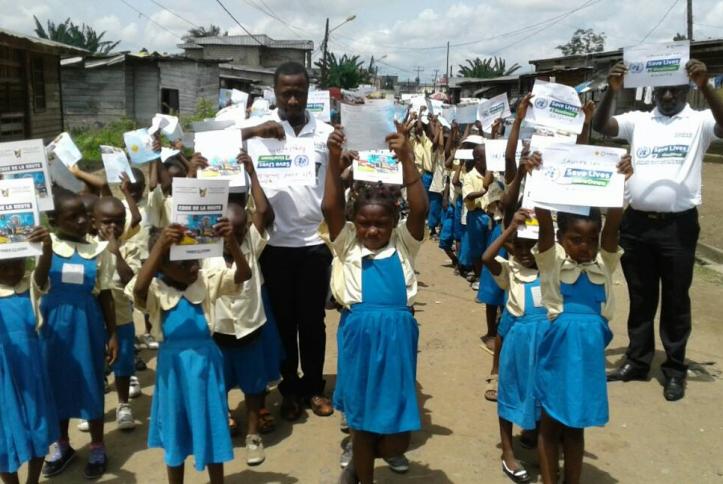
(434, 85)
(323, 53)
(447, 65)
(690, 19)
(418, 69)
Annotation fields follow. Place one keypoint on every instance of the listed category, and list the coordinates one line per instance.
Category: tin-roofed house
(101, 89)
(30, 94)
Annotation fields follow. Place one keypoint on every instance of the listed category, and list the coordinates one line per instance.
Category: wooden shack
(99, 90)
(30, 95)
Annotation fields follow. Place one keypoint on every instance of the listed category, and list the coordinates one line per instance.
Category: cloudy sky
(410, 33)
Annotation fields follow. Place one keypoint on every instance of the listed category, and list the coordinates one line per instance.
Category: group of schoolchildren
(548, 302)
(63, 321)
(547, 299)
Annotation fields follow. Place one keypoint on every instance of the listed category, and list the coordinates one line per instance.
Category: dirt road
(648, 440)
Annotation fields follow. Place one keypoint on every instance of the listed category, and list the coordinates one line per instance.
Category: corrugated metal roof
(103, 61)
(43, 42)
(248, 41)
(245, 68)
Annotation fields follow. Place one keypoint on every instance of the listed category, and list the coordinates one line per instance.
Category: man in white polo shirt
(296, 263)
(660, 228)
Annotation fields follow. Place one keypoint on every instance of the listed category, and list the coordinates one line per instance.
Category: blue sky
(410, 33)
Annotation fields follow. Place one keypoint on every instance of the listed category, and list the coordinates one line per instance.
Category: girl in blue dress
(78, 318)
(576, 285)
(28, 422)
(521, 329)
(189, 411)
(373, 278)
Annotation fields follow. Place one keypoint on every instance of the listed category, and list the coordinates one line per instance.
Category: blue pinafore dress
(377, 363)
(73, 338)
(571, 384)
(474, 238)
(521, 338)
(28, 422)
(189, 413)
(489, 292)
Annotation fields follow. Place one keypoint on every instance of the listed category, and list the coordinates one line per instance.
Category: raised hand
(522, 107)
(616, 75)
(625, 166)
(697, 72)
(244, 159)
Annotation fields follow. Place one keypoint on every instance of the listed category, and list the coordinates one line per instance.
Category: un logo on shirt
(643, 152)
(301, 161)
(541, 103)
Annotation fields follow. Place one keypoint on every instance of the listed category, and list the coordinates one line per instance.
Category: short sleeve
(344, 240)
(132, 256)
(610, 260)
(549, 264)
(467, 186)
(708, 124)
(503, 278)
(257, 242)
(220, 281)
(105, 271)
(405, 238)
(130, 231)
(155, 206)
(626, 125)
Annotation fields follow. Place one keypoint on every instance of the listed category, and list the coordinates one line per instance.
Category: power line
(151, 20)
(237, 22)
(175, 14)
(675, 2)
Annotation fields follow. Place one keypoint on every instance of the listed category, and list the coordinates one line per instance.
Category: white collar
(19, 288)
(383, 253)
(309, 127)
(684, 113)
(88, 250)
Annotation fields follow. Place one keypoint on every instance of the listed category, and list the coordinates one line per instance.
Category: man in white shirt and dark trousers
(659, 231)
(296, 263)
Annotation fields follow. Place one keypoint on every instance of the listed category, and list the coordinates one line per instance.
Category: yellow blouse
(210, 285)
(473, 182)
(557, 267)
(159, 208)
(346, 267)
(512, 278)
(422, 148)
(242, 313)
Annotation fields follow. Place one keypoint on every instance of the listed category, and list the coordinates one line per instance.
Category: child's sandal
(491, 389)
(267, 423)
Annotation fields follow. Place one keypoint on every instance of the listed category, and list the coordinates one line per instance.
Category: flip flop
(491, 389)
(267, 423)
(520, 475)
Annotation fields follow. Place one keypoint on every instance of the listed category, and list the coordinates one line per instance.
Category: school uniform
(159, 208)
(570, 382)
(477, 220)
(659, 230)
(124, 365)
(457, 228)
(240, 321)
(436, 187)
(28, 421)
(189, 413)
(489, 291)
(72, 326)
(446, 233)
(378, 335)
(522, 327)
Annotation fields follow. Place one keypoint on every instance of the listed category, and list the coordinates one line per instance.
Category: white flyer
(270, 96)
(464, 155)
(63, 148)
(539, 142)
(489, 111)
(318, 103)
(581, 175)
(18, 217)
(221, 148)
(378, 166)
(283, 163)
(366, 126)
(115, 162)
(657, 64)
(139, 144)
(556, 106)
(495, 153)
(198, 205)
(465, 113)
(27, 159)
(168, 125)
(531, 230)
(232, 97)
(234, 113)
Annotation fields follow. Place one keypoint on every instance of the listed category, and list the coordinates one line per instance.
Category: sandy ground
(711, 222)
(648, 440)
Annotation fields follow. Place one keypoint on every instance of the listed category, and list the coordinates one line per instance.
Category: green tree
(584, 41)
(82, 36)
(679, 36)
(487, 68)
(210, 31)
(346, 72)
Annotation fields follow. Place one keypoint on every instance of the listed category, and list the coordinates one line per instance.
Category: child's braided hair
(364, 193)
(564, 219)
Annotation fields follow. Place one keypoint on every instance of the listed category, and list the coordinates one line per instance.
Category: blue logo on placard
(636, 67)
(541, 103)
(301, 161)
(643, 152)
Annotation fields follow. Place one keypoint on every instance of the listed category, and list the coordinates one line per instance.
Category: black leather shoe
(674, 388)
(628, 372)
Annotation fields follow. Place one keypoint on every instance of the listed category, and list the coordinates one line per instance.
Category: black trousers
(658, 261)
(297, 279)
